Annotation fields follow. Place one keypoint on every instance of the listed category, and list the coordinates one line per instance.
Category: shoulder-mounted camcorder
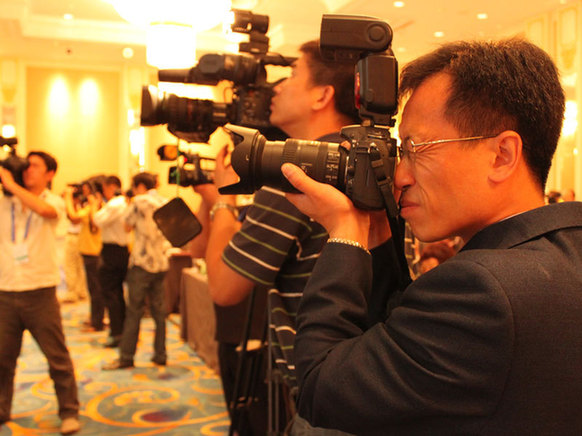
(194, 120)
(190, 170)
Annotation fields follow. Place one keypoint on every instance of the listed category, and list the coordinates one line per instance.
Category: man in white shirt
(114, 255)
(28, 278)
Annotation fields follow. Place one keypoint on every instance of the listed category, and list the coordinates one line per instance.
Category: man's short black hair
(340, 75)
(49, 160)
(146, 179)
(509, 84)
(113, 180)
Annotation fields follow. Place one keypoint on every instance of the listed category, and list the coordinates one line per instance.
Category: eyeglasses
(408, 148)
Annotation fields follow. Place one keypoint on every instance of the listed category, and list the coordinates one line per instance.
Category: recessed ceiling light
(482, 16)
(401, 49)
(127, 52)
(398, 4)
(439, 34)
(68, 16)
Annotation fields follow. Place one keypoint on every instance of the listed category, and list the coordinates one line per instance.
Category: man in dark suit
(490, 341)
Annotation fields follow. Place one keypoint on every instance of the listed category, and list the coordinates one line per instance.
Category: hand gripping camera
(364, 172)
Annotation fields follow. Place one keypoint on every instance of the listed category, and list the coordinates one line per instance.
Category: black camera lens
(258, 161)
(196, 117)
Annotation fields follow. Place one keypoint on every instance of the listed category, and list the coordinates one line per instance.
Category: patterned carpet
(183, 398)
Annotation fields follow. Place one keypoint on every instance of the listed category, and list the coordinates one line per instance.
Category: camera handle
(396, 223)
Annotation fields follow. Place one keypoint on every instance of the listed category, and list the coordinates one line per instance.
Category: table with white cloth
(198, 321)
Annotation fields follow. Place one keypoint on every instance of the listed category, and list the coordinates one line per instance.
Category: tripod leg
(235, 400)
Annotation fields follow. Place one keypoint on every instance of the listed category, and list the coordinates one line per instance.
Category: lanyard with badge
(20, 250)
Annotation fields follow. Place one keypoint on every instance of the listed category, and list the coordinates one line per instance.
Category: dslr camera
(11, 161)
(192, 169)
(195, 119)
(364, 172)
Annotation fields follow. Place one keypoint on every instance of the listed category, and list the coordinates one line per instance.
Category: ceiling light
(482, 16)
(200, 14)
(68, 16)
(127, 52)
(398, 4)
(439, 34)
(170, 45)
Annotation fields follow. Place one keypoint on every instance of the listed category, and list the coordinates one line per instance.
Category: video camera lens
(195, 118)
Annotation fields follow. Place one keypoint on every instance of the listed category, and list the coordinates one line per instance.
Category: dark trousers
(38, 312)
(97, 305)
(112, 271)
(142, 283)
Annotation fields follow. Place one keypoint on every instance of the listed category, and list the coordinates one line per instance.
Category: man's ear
(324, 94)
(507, 150)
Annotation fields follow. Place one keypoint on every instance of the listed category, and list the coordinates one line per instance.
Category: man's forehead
(36, 160)
(427, 101)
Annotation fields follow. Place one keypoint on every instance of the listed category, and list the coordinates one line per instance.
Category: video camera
(12, 162)
(365, 171)
(192, 169)
(93, 184)
(195, 119)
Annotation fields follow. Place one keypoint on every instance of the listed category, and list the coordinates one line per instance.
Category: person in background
(29, 274)
(75, 277)
(554, 197)
(490, 341)
(114, 253)
(569, 195)
(434, 254)
(89, 246)
(148, 266)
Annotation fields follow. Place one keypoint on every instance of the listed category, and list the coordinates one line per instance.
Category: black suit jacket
(489, 342)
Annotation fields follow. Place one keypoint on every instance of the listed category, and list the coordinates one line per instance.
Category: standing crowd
(102, 221)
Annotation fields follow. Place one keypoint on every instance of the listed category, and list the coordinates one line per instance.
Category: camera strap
(13, 221)
(396, 223)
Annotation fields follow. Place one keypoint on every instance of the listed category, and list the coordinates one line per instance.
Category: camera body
(360, 171)
(12, 162)
(191, 170)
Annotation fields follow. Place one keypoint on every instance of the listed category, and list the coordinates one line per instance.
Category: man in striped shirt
(276, 246)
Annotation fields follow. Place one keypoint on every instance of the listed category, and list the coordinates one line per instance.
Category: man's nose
(403, 177)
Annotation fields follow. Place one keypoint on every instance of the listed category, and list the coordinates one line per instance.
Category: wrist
(226, 199)
(346, 241)
(221, 205)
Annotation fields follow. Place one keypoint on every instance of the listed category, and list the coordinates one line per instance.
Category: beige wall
(558, 32)
(74, 115)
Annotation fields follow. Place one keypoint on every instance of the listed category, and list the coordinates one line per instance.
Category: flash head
(349, 37)
(246, 22)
